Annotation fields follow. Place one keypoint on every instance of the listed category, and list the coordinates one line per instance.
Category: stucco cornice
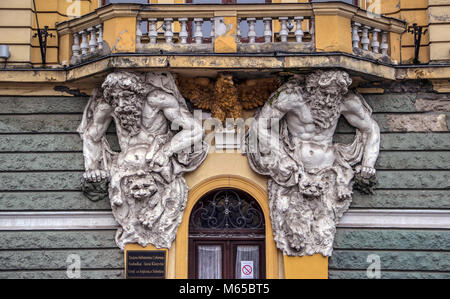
(269, 63)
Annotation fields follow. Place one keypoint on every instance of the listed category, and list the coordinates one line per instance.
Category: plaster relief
(311, 178)
(159, 141)
(224, 97)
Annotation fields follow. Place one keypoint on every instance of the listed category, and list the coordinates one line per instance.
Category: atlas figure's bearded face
(325, 108)
(128, 109)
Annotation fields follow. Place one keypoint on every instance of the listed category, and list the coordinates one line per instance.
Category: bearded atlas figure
(159, 141)
(311, 178)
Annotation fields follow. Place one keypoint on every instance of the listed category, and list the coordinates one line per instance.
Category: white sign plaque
(247, 269)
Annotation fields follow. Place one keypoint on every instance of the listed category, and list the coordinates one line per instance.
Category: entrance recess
(227, 236)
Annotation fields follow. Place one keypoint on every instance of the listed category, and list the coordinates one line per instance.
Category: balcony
(239, 29)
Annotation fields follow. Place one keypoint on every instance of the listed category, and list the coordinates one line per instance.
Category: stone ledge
(29, 221)
(229, 62)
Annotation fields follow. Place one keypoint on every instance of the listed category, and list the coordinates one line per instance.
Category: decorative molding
(209, 62)
(367, 218)
(427, 219)
(13, 221)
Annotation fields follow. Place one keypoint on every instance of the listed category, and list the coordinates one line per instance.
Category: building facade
(224, 65)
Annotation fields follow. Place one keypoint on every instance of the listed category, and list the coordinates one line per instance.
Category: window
(354, 2)
(125, 1)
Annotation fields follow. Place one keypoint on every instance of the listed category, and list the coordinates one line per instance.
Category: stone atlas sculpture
(159, 141)
(311, 178)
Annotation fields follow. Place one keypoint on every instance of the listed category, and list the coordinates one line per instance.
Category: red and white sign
(247, 270)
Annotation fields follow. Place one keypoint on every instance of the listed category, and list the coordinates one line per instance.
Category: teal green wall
(41, 164)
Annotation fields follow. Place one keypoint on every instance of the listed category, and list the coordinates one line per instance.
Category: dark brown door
(227, 237)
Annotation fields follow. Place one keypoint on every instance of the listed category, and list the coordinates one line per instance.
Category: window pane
(251, 1)
(209, 262)
(207, 1)
(126, 1)
(346, 1)
(247, 261)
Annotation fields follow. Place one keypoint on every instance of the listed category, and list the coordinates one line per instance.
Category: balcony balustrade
(232, 28)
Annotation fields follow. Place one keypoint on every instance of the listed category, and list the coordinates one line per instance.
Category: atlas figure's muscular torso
(314, 144)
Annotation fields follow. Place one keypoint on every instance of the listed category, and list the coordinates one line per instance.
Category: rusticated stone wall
(41, 165)
(413, 172)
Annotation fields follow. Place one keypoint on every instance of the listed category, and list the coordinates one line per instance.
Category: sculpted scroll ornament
(147, 190)
(311, 178)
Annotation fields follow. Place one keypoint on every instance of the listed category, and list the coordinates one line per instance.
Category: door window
(226, 237)
(209, 261)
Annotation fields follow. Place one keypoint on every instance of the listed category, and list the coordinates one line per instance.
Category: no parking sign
(247, 270)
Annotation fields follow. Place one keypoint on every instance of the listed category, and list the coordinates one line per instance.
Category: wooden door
(227, 237)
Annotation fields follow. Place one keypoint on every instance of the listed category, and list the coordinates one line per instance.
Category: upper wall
(433, 15)
(412, 11)
(439, 30)
(18, 25)
(16, 30)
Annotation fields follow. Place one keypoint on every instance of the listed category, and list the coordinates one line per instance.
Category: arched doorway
(227, 236)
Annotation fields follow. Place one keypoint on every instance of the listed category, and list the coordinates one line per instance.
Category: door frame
(253, 188)
(228, 238)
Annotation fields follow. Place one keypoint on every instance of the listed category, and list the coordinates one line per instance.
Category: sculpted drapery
(311, 178)
(159, 141)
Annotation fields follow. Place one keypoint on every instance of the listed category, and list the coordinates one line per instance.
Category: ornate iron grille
(227, 209)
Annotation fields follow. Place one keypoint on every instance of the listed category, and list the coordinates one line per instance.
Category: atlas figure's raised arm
(191, 133)
(359, 115)
(96, 120)
(266, 155)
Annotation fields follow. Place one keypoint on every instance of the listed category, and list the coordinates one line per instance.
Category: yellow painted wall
(15, 30)
(439, 29)
(51, 12)
(331, 34)
(225, 170)
(18, 25)
(412, 11)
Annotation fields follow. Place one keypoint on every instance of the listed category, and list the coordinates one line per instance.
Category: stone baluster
(298, 29)
(384, 43)
(183, 30)
(375, 43)
(93, 39)
(213, 30)
(198, 35)
(100, 36)
(238, 31)
(138, 32)
(365, 41)
(76, 45)
(355, 34)
(152, 33)
(168, 34)
(267, 30)
(84, 42)
(251, 30)
(284, 31)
